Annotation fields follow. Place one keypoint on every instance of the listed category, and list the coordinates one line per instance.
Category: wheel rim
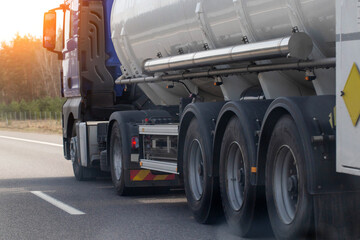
(196, 169)
(235, 176)
(117, 158)
(286, 184)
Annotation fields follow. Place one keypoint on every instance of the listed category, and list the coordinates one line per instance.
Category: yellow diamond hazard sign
(351, 94)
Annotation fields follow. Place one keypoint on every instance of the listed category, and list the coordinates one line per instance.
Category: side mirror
(49, 30)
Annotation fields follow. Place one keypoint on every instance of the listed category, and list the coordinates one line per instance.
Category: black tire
(77, 168)
(238, 196)
(289, 205)
(202, 191)
(81, 173)
(117, 161)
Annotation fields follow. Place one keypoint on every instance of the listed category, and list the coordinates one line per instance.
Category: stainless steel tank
(148, 29)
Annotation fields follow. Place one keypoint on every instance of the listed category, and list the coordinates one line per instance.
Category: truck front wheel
(200, 188)
(289, 204)
(77, 168)
(81, 173)
(117, 161)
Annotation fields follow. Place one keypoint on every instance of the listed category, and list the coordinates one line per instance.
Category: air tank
(150, 29)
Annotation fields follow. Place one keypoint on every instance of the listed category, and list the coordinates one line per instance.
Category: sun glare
(24, 17)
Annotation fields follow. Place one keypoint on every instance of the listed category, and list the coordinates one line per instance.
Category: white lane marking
(32, 141)
(57, 203)
(164, 200)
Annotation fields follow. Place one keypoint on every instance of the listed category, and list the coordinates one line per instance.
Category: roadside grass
(42, 126)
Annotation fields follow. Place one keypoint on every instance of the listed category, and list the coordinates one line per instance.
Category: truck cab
(90, 67)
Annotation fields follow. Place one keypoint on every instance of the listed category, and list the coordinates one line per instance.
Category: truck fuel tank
(151, 29)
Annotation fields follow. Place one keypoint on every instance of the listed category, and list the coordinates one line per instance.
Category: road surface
(40, 199)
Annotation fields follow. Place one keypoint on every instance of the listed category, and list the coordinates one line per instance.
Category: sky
(23, 17)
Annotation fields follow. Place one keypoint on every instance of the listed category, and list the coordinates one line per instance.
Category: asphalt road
(34, 162)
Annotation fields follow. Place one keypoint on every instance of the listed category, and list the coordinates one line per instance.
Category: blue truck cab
(71, 85)
(90, 67)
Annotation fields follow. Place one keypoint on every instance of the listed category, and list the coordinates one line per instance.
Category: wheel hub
(240, 176)
(235, 176)
(292, 184)
(196, 169)
(285, 184)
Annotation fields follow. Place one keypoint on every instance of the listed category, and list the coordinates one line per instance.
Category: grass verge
(42, 126)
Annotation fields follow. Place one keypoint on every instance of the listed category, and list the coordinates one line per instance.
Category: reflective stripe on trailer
(146, 175)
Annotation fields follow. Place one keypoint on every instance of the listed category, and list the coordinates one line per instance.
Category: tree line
(46, 104)
(29, 76)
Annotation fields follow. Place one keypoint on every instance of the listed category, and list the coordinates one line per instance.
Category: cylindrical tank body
(148, 29)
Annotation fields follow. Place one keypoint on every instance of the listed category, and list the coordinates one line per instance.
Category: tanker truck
(252, 106)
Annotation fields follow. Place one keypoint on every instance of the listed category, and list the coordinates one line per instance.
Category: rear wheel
(117, 161)
(201, 189)
(289, 204)
(237, 194)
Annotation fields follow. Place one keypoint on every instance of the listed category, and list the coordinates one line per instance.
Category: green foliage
(46, 104)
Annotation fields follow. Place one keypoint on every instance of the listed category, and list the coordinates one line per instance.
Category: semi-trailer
(251, 105)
